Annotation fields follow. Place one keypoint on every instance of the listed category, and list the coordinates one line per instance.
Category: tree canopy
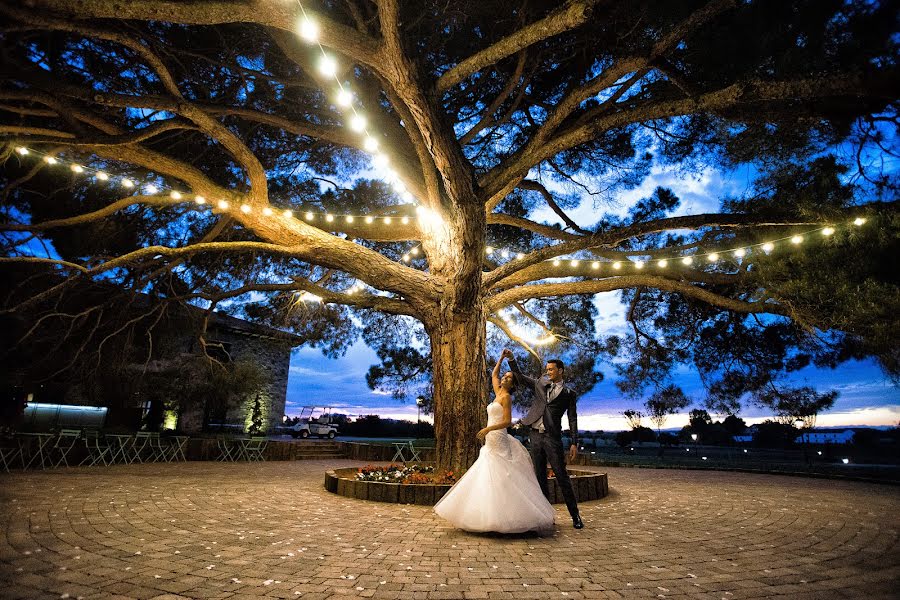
(379, 170)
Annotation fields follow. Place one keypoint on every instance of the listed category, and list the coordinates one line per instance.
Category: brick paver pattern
(215, 530)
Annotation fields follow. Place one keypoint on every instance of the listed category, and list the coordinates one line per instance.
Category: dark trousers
(543, 449)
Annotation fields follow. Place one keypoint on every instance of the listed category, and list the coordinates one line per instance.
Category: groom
(544, 420)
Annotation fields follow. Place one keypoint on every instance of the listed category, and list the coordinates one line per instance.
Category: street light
(420, 402)
(800, 423)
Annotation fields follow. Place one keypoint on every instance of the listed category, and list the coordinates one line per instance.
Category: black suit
(547, 446)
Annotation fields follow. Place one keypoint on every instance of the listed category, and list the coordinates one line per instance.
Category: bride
(499, 492)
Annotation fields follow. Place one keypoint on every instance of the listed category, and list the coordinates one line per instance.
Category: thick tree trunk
(460, 386)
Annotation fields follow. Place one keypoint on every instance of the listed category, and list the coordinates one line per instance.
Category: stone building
(231, 339)
(154, 373)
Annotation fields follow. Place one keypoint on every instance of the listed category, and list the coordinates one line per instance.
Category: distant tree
(667, 401)
(797, 404)
(633, 417)
(734, 425)
(699, 419)
(772, 434)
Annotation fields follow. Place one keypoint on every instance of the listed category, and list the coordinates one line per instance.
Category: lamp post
(801, 426)
(420, 402)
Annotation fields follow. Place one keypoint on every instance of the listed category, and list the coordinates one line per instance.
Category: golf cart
(314, 420)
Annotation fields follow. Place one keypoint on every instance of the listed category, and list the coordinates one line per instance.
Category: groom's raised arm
(519, 375)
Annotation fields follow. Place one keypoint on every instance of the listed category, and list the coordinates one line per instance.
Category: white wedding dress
(499, 492)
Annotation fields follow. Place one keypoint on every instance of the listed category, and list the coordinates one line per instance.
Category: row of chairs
(235, 449)
(63, 448)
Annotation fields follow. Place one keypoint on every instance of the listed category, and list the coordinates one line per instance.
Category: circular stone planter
(587, 484)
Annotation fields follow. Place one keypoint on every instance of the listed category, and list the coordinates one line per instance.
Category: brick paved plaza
(213, 530)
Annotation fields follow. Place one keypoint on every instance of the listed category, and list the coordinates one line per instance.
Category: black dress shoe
(577, 523)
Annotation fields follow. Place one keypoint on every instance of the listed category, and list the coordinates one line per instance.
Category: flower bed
(418, 484)
(408, 474)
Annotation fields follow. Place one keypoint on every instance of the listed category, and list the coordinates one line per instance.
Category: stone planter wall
(588, 486)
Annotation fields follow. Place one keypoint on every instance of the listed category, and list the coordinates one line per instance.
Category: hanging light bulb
(267, 211)
(639, 264)
(329, 218)
(344, 98)
(370, 144)
(687, 260)
(370, 219)
(713, 257)
(505, 254)
(175, 195)
(349, 218)
(77, 168)
(127, 183)
(22, 150)
(828, 231)
(617, 265)
(740, 253)
(520, 255)
(309, 216)
(245, 208)
(489, 250)
(199, 199)
(327, 66)
(223, 204)
(797, 239)
(859, 221)
(309, 29)
(406, 258)
(768, 247)
(663, 263)
(357, 122)
(102, 176)
(151, 189)
(288, 213)
(414, 251)
(50, 160)
(387, 220)
(405, 220)
(556, 262)
(573, 263)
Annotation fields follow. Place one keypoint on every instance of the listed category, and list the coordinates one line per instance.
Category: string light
(423, 215)
(309, 29)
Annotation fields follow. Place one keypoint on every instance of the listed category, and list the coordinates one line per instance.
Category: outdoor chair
(157, 450)
(413, 453)
(97, 448)
(10, 452)
(140, 445)
(65, 442)
(399, 453)
(253, 449)
(176, 448)
(227, 450)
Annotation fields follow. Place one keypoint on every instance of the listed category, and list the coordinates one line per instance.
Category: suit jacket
(551, 411)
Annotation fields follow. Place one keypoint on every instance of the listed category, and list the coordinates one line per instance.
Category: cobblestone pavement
(213, 530)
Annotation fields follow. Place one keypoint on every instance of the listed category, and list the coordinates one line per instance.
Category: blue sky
(866, 396)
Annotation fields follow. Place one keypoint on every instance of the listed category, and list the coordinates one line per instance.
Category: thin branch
(573, 14)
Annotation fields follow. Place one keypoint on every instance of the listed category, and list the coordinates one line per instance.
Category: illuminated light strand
(175, 194)
(422, 213)
(308, 30)
(687, 260)
(507, 317)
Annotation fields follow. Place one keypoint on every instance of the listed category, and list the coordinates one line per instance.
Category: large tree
(485, 113)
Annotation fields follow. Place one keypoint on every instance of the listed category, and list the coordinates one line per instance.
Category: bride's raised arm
(495, 375)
